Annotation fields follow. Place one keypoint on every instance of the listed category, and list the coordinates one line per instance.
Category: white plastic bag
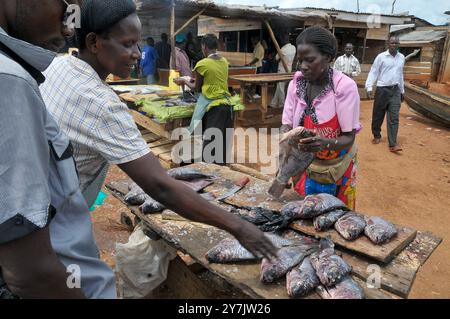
(142, 264)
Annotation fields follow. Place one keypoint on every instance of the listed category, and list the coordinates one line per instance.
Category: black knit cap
(321, 38)
(100, 15)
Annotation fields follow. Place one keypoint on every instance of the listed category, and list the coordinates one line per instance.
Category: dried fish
(379, 230)
(346, 289)
(302, 279)
(327, 220)
(350, 226)
(187, 174)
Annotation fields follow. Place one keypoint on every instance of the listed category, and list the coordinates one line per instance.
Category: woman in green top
(214, 110)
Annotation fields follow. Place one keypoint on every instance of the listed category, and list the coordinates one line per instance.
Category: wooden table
(123, 82)
(263, 80)
(397, 276)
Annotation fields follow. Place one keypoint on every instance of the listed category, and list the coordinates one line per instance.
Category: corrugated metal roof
(425, 36)
(400, 27)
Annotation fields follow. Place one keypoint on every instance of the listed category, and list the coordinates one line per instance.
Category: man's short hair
(210, 41)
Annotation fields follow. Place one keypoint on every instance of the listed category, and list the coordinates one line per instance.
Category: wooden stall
(398, 260)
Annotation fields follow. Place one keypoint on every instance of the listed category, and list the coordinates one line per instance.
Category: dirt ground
(410, 189)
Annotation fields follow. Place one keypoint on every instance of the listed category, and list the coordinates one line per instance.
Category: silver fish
(197, 184)
(325, 221)
(346, 289)
(151, 205)
(292, 161)
(350, 226)
(379, 230)
(302, 279)
(330, 268)
(318, 204)
(135, 196)
(230, 250)
(187, 174)
(287, 258)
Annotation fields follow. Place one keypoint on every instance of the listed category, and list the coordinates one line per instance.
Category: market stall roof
(425, 36)
(188, 8)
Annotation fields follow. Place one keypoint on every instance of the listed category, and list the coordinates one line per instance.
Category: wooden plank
(149, 124)
(162, 149)
(384, 253)
(249, 171)
(150, 137)
(263, 77)
(160, 142)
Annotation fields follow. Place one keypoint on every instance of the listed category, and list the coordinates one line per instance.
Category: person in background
(327, 102)
(387, 74)
(163, 50)
(182, 59)
(214, 108)
(348, 63)
(192, 49)
(103, 132)
(148, 61)
(258, 56)
(288, 51)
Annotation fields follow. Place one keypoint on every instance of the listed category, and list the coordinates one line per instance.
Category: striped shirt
(98, 124)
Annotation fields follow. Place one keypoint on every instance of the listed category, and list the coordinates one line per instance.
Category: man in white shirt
(258, 56)
(348, 63)
(387, 74)
(288, 51)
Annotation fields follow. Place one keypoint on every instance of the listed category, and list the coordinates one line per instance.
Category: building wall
(153, 27)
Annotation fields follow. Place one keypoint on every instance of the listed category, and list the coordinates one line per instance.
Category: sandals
(376, 141)
(395, 149)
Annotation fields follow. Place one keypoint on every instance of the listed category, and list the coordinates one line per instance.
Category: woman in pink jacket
(326, 101)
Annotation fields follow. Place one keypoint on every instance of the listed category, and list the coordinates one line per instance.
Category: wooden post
(280, 54)
(172, 35)
(238, 41)
(190, 20)
(364, 48)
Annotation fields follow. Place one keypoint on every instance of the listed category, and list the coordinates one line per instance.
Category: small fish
(292, 161)
(230, 250)
(135, 196)
(325, 221)
(302, 279)
(187, 174)
(197, 184)
(346, 289)
(208, 196)
(379, 230)
(318, 204)
(350, 226)
(151, 205)
(287, 258)
(330, 268)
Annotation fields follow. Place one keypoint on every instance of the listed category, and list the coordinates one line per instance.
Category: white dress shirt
(348, 65)
(387, 70)
(288, 52)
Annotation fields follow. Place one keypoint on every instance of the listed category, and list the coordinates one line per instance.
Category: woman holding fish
(326, 103)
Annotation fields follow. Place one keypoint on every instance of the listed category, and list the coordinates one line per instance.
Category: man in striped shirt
(347, 63)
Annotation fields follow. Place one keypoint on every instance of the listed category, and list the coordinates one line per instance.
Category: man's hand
(254, 240)
(369, 95)
(179, 81)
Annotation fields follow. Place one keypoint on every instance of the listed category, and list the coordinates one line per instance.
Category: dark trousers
(216, 148)
(387, 101)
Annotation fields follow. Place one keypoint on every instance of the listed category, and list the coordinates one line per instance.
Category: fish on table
(301, 279)
(327, 220)
(267, 220)
(379, 230)
(151, 205)
(292, 160)
(187, 173)
(230, 250)
(329, 267)
(350, 226)
(345, 289)
(312, 206)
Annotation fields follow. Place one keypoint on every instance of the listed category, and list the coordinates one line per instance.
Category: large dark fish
(187, 174)
(267, 220)
(318, 204)
(302, 279)
(330, 268)
(346, 289)
(292, 161)
(230, 250)
(136, 196)
(151, 205)
(327, 220)
(350, 226)
(287, 258)
(379, 230)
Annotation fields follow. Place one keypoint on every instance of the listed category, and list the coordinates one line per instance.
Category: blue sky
(430, 10)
